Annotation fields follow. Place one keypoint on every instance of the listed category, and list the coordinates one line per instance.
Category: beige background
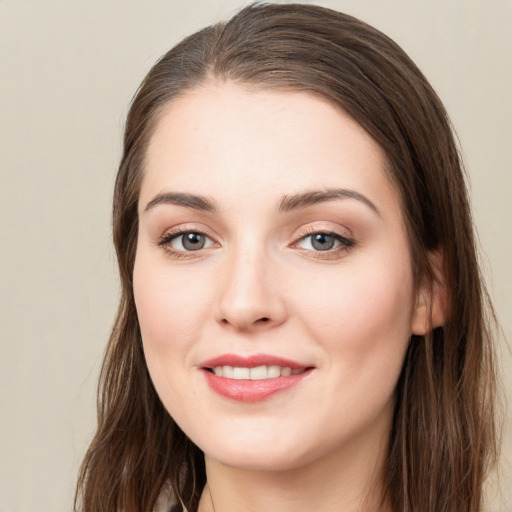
(67, 72)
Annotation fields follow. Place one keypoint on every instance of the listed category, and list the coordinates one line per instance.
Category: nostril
(245, 322)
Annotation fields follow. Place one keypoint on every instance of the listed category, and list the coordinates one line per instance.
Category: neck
(348, 479)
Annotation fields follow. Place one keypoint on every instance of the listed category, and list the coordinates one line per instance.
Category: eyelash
(166, 240)
(345, 243)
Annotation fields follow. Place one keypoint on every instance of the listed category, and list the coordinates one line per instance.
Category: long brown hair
(443, 433)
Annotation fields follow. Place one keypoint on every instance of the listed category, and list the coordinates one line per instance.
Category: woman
(302, 324)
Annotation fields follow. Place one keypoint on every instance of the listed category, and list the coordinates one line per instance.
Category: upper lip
(251, 361)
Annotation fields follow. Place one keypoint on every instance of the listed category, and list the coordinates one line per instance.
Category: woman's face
(272, 251)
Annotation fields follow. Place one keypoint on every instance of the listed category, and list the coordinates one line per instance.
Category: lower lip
(252, 390)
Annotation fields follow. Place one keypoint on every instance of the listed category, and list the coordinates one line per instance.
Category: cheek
(171, 309)
(170, 315)
(362, 319)
(169, 306)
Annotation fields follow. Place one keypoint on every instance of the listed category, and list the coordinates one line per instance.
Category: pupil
(193, 241)
(323, 242)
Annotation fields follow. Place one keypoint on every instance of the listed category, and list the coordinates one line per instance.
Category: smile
(256, 373)
(253, 378)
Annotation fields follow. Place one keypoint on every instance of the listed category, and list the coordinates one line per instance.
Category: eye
(187, 241)
(324, 241)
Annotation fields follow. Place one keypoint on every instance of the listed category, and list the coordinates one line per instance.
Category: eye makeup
(184, 243)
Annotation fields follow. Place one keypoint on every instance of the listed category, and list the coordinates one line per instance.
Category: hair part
(443, 433)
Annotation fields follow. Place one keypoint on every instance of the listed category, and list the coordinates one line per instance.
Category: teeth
(241, 373)
(227, 371)
(273, 371)
(256, 373)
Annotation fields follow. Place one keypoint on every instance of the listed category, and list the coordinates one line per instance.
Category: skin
(260, 286)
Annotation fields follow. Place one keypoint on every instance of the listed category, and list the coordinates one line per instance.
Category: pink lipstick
(253, 378)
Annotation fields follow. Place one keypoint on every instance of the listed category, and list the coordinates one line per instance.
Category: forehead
(239, 144)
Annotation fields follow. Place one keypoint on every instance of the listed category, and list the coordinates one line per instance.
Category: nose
(250, 298)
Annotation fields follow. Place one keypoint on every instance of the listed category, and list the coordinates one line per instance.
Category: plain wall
(68, 70)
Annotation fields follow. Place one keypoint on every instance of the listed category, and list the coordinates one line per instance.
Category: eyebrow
(310, 198)
(182, 199)
(288, 202)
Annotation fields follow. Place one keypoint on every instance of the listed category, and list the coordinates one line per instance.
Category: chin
(260, 452)
(258, 460)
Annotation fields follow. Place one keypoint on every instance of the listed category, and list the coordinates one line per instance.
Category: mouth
(255, 373)
(254, 378)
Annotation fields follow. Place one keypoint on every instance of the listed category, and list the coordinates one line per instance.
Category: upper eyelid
(168, 236)
(313, 229)
(341, 238)
(185, 228)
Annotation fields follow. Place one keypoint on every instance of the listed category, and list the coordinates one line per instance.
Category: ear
(432, 299)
